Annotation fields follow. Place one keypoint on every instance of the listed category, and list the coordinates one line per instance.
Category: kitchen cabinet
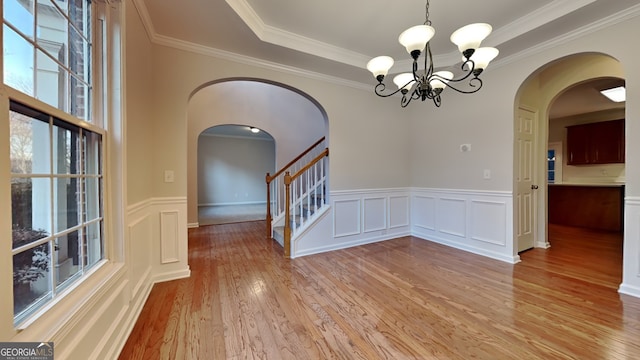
(596, 143)
(590, 206)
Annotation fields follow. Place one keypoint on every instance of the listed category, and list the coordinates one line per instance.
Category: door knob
(534, 187)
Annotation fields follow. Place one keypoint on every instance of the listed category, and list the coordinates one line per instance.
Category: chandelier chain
(426, 14)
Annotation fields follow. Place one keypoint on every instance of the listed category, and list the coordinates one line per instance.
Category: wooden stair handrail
(271, 177)
(324, 153)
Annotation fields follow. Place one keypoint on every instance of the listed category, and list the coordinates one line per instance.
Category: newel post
(287, 215)
(268, 217)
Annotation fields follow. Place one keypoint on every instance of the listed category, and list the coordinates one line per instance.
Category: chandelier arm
(467, 71)
(382, 87)
(405, 100)
(428, 62)
(416, 93)
(476, 87)
(437, 101)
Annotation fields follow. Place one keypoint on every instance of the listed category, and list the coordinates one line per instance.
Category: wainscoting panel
(494, 232)
(375, 214)
(357, 217)
(631, 252)
(346, 217)
(139, 256)
(398, 211)
(426, 207)
(452, 216)
(476, 221)
(170, 251)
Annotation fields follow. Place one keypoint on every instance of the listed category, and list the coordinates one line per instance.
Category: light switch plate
(169, 176)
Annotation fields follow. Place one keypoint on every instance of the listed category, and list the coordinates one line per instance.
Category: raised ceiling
(336, 38)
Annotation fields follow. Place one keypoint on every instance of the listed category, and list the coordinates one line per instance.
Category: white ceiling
(336, 37)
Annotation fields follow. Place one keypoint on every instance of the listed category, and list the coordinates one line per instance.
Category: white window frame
(57, 290)
(107, 115)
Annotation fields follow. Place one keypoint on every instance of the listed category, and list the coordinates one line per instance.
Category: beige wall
(140, 126)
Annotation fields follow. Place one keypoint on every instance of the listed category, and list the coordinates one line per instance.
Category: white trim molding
(358, 217)
(476, 221)
(631, 248)
(480, 222)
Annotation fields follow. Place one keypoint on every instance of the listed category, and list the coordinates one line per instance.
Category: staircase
(296, 195)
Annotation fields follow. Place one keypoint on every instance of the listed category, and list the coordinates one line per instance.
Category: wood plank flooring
(400, 299)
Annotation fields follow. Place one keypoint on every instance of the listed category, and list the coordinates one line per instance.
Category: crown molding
(601, 24)
(277, 36)
(535, 19)
(141, 8)
(227, 55)
(274, 35)
(248, 60)
(539, 17)
(243, 137)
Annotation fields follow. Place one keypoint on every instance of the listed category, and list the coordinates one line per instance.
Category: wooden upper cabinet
(578, 141)
(596, 143)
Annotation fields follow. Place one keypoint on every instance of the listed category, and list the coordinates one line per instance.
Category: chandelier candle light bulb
(426, 83)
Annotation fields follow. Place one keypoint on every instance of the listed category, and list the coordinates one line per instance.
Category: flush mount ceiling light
(426, 83)
(617, 94)
(254, 130)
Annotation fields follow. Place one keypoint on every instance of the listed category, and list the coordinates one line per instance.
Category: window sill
(62, 314)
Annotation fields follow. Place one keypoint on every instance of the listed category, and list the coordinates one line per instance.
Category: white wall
(232, 170)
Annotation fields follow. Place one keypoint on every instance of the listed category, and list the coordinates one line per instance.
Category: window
(57, 219)
(551, 166)
(47, 52)
(56, 159)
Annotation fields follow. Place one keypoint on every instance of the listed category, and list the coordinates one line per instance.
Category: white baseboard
(471, 249)
(345, 245)
(173, 275)
(234, 203)
(629, 290)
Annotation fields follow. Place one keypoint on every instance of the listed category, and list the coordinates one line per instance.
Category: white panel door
(525, 176)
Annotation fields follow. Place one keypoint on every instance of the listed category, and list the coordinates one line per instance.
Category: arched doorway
(533, 104)
(292, 118)
(232, 163)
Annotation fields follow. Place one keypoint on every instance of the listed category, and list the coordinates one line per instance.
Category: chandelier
(426, 83)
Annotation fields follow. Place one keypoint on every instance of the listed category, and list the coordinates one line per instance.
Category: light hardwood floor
(400, 299)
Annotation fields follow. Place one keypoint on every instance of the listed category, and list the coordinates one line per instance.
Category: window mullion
(31, 245)
(83, 190)
(81, 32)
(52, 196)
